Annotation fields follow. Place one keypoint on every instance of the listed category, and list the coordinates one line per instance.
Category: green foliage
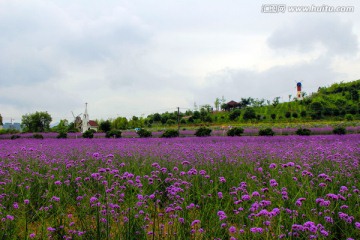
(287, 114)
(62, 135)
(105, 126)
(303, 113)
(354, 93)
(276, 101)
(273, 116)
(203, 132)
(38, 136)
(88, 134)
(8, 131)
(234, 114)
(120, 123)
(143, 133)
(170, 122)
(339, 130)
(63, 126)
(349, 117)
(303, 132)
(170, 133)
(235, 131)
(113, 134)
(316, 110)
(249, 114)
(14, 137)
(295, 115)
(36, 122)
(266, 132)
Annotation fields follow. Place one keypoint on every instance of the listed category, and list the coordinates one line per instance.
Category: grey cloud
(305, 33)
(45, 97)
(38, 38)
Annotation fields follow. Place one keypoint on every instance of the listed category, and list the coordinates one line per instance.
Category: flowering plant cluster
(287, 187)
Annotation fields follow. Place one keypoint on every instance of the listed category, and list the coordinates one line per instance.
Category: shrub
(38, 136)
(203, 132)
(317, 109)
(295, 115)
(170, 122)
(234, 114)
(143, 133)
(339, 130)
(113, 134)
(249, 114)
(287, 114)
(266, 132)
(236, 131)
(88, 134)
(303, 113)
(303, 132)
(170, 133)
(349, 117)
(15, 137)
(273, 116)
(62, 135)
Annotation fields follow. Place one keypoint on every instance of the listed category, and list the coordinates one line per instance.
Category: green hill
(337, 102)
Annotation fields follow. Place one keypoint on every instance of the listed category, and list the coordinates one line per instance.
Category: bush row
(201, 132)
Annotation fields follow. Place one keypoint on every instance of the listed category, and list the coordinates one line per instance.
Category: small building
(16, 126)
(231, 105)
(88, 124)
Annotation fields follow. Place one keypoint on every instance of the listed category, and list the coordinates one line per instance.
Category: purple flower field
(282, 187)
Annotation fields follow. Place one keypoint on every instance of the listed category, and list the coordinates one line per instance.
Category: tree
(224, 107)
(120, 123)
(245, 102)
(276, 101)
(157, 117)
(105, 126)
(206, 107)
(217, 104)
(63, 126)
(36, 122)
(222, 100)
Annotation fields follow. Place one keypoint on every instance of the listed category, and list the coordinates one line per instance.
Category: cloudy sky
(137, 57)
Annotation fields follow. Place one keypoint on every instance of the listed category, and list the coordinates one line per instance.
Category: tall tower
(298, 90)
(85, 120)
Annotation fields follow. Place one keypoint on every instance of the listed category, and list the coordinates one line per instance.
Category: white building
(86, 123)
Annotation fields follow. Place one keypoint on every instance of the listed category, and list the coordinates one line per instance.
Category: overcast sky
(138, 57)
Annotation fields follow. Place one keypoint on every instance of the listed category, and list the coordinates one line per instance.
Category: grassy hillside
(337, 102)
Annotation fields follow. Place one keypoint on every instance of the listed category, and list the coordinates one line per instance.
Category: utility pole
(178, 118)
(11, 123)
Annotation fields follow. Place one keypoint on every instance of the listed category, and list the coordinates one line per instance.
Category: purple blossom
(195, 222)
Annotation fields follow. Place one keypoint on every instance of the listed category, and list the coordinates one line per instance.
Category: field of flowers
(288, 187)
